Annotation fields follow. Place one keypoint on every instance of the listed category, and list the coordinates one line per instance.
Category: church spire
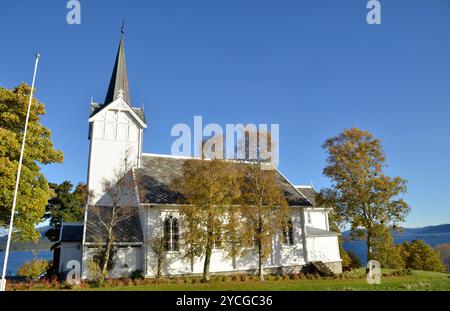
(118, 86)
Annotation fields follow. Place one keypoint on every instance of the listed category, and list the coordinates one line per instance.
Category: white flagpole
(8, 243)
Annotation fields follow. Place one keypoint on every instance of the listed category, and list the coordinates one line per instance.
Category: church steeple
(118, 86)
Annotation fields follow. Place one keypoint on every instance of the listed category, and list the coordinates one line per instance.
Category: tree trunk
(158, 272)
(207, 264)
(260, 248)
(107, 253)
(260, 262)
(369, 246)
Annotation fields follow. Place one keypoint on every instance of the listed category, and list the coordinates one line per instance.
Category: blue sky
(314, 67)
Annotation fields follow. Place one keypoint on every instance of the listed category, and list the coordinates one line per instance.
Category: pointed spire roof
(118, 86)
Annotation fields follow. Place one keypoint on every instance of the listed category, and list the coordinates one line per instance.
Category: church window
(218, 241)
(171, 234)
(288, 234)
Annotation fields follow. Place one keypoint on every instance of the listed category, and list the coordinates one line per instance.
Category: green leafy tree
(421, 256)
(361, 194)
(66, 206)
(209, 188)
(34, 191)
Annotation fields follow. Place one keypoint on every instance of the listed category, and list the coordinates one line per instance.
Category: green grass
(354, 281)
(417, 280)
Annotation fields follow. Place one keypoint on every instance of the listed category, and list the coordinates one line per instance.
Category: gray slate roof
(72, 233)
(158, 171)
(310, 193)
(310, 231)
(126, 231)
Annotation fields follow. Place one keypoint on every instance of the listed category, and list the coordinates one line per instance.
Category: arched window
(288, 234)
(171, 234)
(217, 241)
(175, 234)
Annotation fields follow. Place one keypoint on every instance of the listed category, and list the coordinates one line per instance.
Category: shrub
(226, 279)
(293, 276)
(66, 285)
(137, 274)
(177, 280)
(32, 270)
(216, 279)
(97, 279)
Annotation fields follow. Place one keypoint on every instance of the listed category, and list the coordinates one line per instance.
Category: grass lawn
(417, 280)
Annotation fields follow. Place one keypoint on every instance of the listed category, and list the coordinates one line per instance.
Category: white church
(116, 127)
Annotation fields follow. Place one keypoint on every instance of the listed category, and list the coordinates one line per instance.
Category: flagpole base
(2, 285)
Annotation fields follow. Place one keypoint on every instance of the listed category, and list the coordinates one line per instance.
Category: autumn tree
(264, 211)
(157, 246)
(444, 252)
(34, 190)
(118, 195)
(420, 256)
(66, 205)
(209, 188)
(361, 194)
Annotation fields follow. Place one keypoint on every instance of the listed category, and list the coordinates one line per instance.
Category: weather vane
(123, 26)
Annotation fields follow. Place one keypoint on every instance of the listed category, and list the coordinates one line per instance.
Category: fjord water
(16, 259)
(432, 239)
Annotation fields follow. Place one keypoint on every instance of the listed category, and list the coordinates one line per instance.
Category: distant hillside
(439, 229)
(435, 229)
(44, 244)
